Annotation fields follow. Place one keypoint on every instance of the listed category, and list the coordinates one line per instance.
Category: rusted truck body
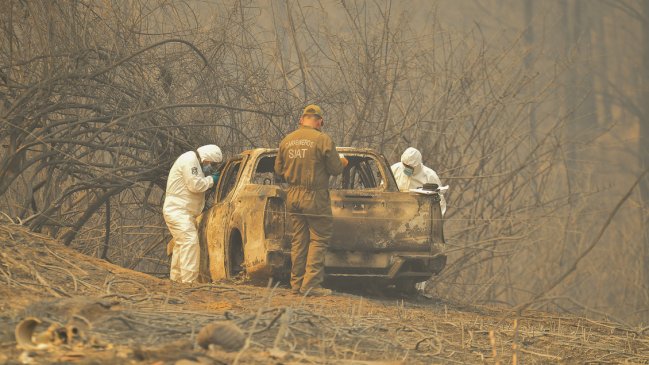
(380, 234)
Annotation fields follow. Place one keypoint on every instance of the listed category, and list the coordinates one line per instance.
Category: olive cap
(312, 109)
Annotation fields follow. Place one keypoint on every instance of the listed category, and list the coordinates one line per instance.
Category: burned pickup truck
(380, 234)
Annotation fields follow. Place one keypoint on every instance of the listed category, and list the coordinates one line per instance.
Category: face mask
(208, 170)
(408, 171)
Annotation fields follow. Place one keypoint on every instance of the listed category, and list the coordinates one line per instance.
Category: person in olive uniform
(306, 159)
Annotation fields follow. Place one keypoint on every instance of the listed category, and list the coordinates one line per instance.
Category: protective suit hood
(210, 153)
(411, 157)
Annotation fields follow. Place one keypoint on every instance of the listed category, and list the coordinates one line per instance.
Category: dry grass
(155, 321)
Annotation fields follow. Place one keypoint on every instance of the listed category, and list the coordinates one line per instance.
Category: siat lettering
(297, 153)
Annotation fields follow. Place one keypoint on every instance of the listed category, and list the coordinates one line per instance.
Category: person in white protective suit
(192, 174)
(411, 173)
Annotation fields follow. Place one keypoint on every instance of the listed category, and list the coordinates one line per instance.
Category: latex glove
(215, 177)
(344, 161)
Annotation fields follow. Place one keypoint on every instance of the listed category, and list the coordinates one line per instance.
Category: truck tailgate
(385, 221)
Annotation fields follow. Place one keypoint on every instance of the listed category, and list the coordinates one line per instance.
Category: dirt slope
(127, 317)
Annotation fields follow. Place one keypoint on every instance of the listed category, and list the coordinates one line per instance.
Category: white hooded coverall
(184, 201)
(421, 175)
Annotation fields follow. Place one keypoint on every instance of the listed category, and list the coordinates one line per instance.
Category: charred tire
(406, 286)
(235, 255)
(204, 275)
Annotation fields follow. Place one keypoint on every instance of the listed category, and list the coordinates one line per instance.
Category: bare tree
(94, 112)
(97, 99)
(643, 146)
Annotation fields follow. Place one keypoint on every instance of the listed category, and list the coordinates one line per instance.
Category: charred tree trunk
(569, 92)
(604, 64)
(569, 112)
(529, 60)
(104, 253)
(643, 146)
(528, 12)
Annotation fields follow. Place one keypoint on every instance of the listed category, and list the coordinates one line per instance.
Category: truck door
(215, 222)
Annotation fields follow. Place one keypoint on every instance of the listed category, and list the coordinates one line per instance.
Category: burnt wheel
(406, 286)
(235, 262)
